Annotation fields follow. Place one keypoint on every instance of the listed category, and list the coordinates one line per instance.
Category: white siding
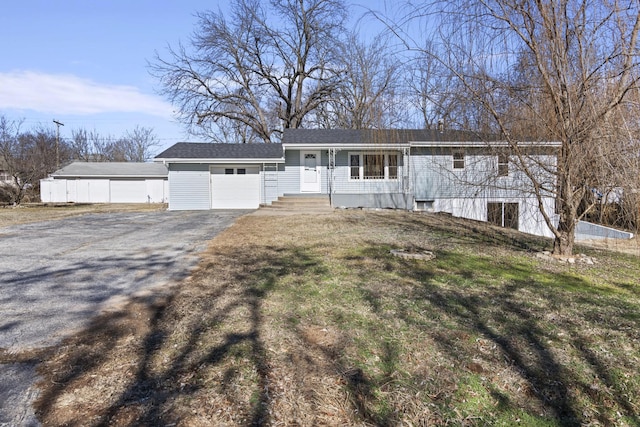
(71, 189)
(530, 219)
(83, 190)
(53, 191)
(289, 179)
(128, 191)
(156, 190)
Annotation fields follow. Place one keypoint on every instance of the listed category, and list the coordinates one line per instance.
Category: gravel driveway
(56, 275)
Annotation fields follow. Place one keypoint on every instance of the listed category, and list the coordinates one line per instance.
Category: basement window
(424, 205)
(503, 214)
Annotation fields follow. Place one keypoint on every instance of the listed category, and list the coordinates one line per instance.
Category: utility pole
(58, 143)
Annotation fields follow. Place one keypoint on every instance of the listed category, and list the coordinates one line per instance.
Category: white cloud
(68, 94)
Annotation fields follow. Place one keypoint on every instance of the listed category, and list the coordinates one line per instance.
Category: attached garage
(221, 176)
(86, 182)
(235, 187)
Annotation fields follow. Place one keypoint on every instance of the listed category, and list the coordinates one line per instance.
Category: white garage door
(128, 191)
(234, 187)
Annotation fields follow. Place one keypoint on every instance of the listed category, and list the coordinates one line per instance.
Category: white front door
(310, 172)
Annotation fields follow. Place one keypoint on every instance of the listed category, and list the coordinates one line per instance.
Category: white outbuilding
(117, 182)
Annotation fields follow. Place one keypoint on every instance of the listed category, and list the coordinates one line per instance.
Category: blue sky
(85, 62)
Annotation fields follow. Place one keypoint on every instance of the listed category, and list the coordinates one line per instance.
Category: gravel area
(56, 275)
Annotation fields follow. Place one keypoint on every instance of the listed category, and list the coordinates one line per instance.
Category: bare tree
(554, 70)
(9, 131)
(134, 146)
(28, 157)
(139, 144)
(432, 91)
(264, 68)
(369, 93)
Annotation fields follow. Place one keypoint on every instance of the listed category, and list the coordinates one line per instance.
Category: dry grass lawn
(34, 212)
(311, 321)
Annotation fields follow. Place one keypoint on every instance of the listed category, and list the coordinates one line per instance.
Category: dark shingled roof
(200, 150)
(371, 136)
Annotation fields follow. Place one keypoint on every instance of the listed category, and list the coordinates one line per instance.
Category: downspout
(407, 171)
(332, 167)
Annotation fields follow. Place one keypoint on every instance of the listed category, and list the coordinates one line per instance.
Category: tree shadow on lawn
(197, 355)
(541, 330)
(202, 356)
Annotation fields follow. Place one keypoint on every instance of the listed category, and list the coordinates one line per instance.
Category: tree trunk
(565, 233)
(563, 245)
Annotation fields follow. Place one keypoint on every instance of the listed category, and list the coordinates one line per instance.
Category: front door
(310, 172)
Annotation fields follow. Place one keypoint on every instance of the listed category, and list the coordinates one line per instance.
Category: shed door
(92, 190)
(235, 187)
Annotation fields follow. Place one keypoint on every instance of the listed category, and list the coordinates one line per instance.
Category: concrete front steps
(299, 203)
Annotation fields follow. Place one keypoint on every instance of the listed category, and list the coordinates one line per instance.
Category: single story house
(423, 170)
(100, 182)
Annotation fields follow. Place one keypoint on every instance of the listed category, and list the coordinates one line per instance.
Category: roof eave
(346, 146)
(226, 160)
(552, 144)
(105, 176)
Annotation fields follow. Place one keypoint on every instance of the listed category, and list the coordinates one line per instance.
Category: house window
(424, 205)
(503, 164)
(228, 171)
(354, 166)
(503, 214)
(458, 160)
(241, 171)
(393, 166)
(373, 166)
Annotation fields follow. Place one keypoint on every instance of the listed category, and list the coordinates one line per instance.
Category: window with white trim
(354, 166)
(392, 165)
(503, 214)
(458, 159)
(373, 166)
(503, 164)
